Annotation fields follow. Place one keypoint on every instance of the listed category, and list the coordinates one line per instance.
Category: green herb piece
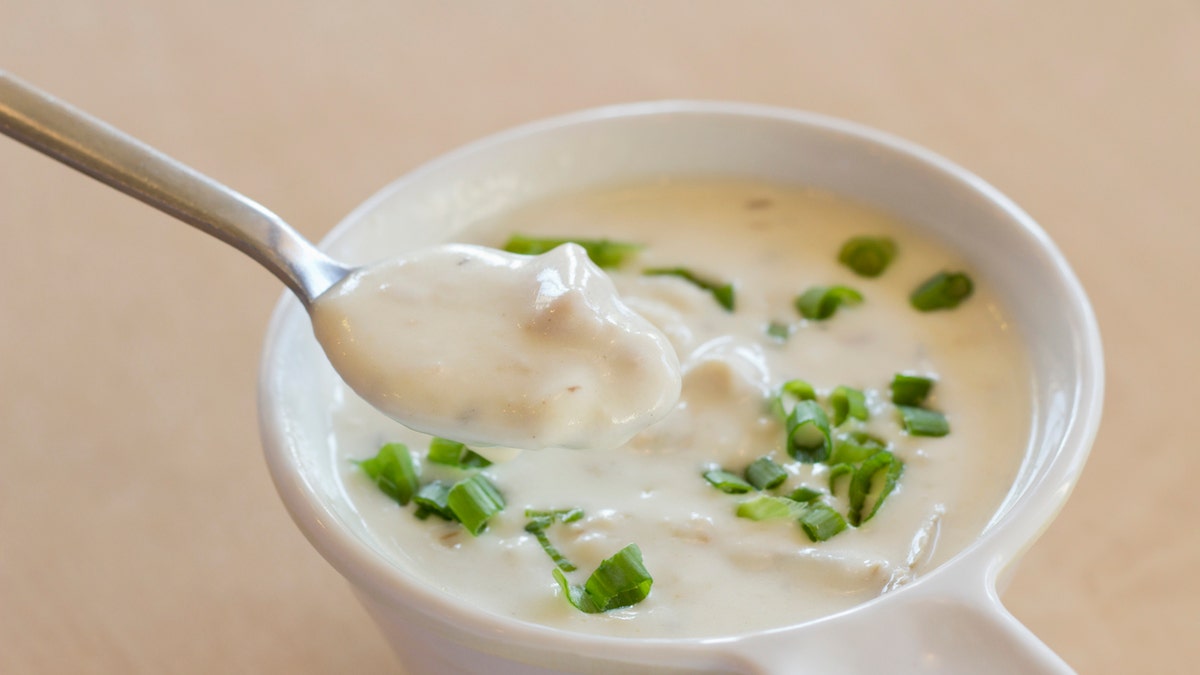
(779, 330)
(820, 302)
(764, 474)
(393, 470)
(820, 522)
(473, 501)
(540, 521)
(854, 447)
(808, 433)
(445, 451)
(867, 256)
(910, 389)
(790, 392)
(769, 507)
(562, 515)
(922, 421)
(727, 482)
(453, 453)
(560, 560)
(871, 484)
(944, 290)
(805, 494)
(848, 403)
(721, 292)
(604, 252)
(837, 471)
(619, 581)
(799, 390)
(433, 498)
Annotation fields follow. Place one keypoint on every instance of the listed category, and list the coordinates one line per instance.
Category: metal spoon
(77, 139)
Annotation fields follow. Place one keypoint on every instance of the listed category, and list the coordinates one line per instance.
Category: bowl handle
(943, 625)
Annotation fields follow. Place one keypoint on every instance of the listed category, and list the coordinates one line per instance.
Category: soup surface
(716, 573)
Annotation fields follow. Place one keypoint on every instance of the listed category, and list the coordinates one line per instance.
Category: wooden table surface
(139, 532)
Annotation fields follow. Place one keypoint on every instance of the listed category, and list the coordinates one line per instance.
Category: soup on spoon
(490, 347)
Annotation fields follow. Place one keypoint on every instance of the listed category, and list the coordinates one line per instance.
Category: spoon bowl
(373, 332)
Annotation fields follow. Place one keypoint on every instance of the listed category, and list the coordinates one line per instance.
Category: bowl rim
(1001, 545)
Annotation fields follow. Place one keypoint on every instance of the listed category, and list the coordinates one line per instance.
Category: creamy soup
(714, 572)
(490, 347)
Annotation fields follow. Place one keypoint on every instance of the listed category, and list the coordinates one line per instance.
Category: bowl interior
(621, 144)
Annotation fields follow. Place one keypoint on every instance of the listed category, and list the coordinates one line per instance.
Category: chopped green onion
(473, 501)
(944, 290)
(434, 498)
(820, 302)
(808, 433)
(910, 389)
(721, 292)
(854, 447)
(805, 494)
(393, 470)
(820, 522)
(792, 390)
(779, 330)
(837, 471)
(727, 482)
(445, 451)
(867, 489)
(540, 520)
(619, 581)
(846, 403)
(560, 560)
(800, 390)
(453, 453)
(867, 256)
(764, 474)
(922, 421)
(604, 252)
(768, 507)
(564, 515)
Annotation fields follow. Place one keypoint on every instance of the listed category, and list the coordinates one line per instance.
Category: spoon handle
(81, 141)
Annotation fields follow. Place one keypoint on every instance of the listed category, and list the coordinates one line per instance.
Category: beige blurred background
(139, 532)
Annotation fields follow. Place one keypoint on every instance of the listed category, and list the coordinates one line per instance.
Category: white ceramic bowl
(950, 620)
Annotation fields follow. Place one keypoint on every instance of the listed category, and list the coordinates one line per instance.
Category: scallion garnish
(838, 471)
(769, 507)
(540, 521)
(604, 252)
(922, 421)
(453, 453)
(799, 390)
(433, 498)
(789, 393)
(619, 581)
(847, 403)
(820, 302)
(779, 330)
(473, 501)
(808, 433)
(910, 389)
(871, 484)
(765, 474)
(727, 482)
(854, 448)
(820, 522)
(805, 494)
(722, 292)
(867, 256)
(944, 290)
(393, 470)
(562, 515)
